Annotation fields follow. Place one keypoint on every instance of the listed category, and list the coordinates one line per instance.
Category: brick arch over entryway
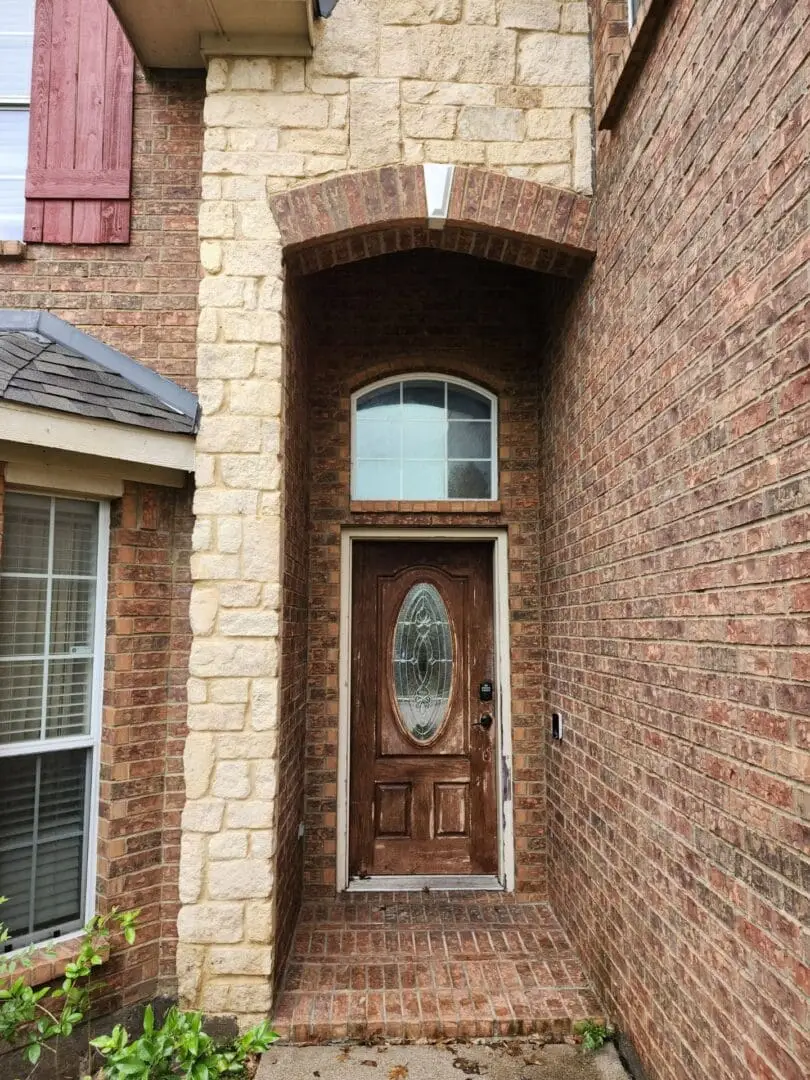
(503, 218)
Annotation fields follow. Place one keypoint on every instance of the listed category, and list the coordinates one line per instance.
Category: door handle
(486, 721)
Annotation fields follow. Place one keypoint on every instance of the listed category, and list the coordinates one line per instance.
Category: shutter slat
(80, 151)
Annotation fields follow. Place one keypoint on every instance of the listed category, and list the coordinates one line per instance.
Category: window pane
(377, 480)
(378, 438)
(42, 841)
(467, 405)
(423, 480)
(423, 662)
(72, 616)
(470, 480)
(387, 398)
(16, 48)
(422, 399)
(469, 439)
(22, 615)
(13, 158)
(69, 694)
(25, 533)
(425, 440)
(20, 700)
(75, 540)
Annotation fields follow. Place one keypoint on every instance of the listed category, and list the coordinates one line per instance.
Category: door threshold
(427, 882)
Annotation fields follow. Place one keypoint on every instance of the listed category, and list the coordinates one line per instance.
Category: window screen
(16, 53)
(49, 615)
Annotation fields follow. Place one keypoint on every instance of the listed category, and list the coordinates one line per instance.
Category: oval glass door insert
(423, 662)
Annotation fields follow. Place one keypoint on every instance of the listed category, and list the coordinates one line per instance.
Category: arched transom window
(424, 438)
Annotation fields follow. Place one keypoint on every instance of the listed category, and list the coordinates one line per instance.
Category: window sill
(454, 506)
(12, 249)
(49, 960)
(628, 64)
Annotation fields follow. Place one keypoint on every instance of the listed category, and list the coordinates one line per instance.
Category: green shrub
(593, 1035)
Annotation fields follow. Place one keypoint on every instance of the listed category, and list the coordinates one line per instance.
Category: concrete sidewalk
(513, 1059)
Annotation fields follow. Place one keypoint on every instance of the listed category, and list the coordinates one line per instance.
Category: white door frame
(506, 827)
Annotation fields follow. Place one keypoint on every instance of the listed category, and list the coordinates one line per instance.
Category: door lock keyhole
(486, 721)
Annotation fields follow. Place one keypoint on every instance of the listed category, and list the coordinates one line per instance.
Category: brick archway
(363, 214)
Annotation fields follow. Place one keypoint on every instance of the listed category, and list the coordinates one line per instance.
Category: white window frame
(430, 376)
(632, 13)
(92, 740)
(18, 103)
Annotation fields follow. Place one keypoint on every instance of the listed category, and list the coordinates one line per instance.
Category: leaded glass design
(423, 662)
(424, 438)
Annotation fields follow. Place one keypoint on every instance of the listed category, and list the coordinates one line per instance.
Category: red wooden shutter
(80, 144)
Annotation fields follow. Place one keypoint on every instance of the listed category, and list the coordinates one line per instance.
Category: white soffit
(181, 33)
(438, 185)
(99, 438)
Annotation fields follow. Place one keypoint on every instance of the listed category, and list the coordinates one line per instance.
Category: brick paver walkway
(430, 966)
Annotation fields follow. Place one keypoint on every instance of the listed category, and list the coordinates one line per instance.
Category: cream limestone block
(211, 256)
(271, 436)
(561, 97)
(413, 151)
(252, 257)
(429, 121)
(233, 961)
(552, 175)
(216, 220)
(203, 815)
(217, 501)
(415, 12)
(261, 553)
(262, 843)
(491, 124)
(520, 97)
(229, 532)
(346, 43)
(316, 142)
(480, 54)
(207, 326)
(253, 163)
(189, 963)
(257, 223)
(251, 470)
(218, 75)
(203, 610)
(197, 691)
(231, 780)
(574, 17)
(253, 140)
(251, 326)
(291, 74)
(481, 11)
(211, 186)
(249, 623)
(228, 657)
(222, 434)
(220, 361)
(239, 594)
(202, 534)
(374, 111)
(339, 112)
(264, 704)
(213, 139)
(266, 779)
(214, 567)
(583, 154)
(440, 93)
(457, 153)
(259, 921)
(323, 84)
(540, 152)
(530, 14)
(271, 595)
(206, 924)
(242, 189)
(204, 471)
(549, 123)
(198, 762)
(228, 845)
(252, 73)
(229, 691)
(271, 294)
(213, 716)
(211, 393)
(246, 879)
(225, 996)
(554, 60)
(192, 866)
(221, 291)
(321, 166)
(250, 814)
(257, 110)
(248, 746)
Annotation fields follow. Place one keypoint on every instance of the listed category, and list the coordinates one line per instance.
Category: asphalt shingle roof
(38, 371)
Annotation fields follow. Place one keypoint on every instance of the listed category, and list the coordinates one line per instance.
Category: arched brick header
(490, 215)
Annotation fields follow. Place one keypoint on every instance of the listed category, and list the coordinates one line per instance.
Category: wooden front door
(423, 764)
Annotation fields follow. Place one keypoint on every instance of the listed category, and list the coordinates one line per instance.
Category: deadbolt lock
(486, 721)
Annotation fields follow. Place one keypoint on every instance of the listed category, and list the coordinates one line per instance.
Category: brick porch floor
(429, 966)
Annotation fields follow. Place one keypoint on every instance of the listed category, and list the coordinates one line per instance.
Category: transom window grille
(424, 438)
(52, 589)
(16, 58)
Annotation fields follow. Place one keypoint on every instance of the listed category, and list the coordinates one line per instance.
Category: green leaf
(33, 1053)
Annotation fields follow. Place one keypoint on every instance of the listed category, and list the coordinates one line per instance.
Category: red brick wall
(294, 623)
(675, 515)
(143, 728)
(446, 313)
(141, 297)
